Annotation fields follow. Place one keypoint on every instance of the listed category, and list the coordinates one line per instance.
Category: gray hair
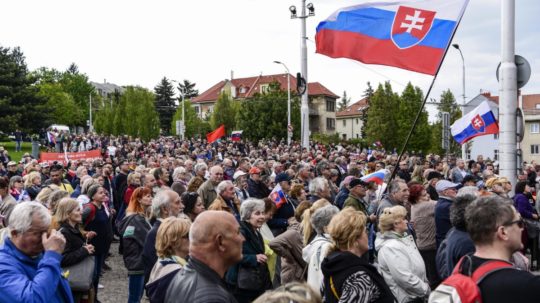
(23, 214)
(322, 216)
(177, 172)
(162, 199)
(467, 190)
(87, 183)
(200, 166)
(394, 187)
(223, 185)
(249, 206)
(317, 185)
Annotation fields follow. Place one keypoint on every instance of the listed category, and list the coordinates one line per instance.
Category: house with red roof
(322, 101)
(349, 121)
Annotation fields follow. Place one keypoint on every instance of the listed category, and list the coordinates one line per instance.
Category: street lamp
(303, 60)
(181, 92)
(463, 146)
(289, 127)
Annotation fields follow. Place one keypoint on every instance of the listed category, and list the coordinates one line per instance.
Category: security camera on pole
(303, 60)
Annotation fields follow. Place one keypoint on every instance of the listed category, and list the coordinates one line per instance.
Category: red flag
(216, 134)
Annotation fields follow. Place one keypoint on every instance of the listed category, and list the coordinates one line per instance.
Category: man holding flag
(285, 207)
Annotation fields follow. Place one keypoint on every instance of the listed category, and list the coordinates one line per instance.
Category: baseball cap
(282, 177)
(356, 182)
(11, 163)
(445, 184)
(254, 170)
(238, 174)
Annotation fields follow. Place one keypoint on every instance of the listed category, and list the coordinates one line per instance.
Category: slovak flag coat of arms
(411, 26)
(478, 122)
(408, 34)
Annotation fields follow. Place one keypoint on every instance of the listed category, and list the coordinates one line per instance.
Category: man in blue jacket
(30, 259)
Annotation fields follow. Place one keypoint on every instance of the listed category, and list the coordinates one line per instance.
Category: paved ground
(115, 280)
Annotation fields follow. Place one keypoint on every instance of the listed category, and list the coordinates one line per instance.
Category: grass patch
(26, 147)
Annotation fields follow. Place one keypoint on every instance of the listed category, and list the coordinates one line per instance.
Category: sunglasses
(520, 223)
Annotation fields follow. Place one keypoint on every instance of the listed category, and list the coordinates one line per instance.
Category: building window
(330, 105)
(357, 121)
(344, 122)
(357, 136)
(535, 128)
(537, 106)
(496, 155)
(344, 136)
(264, 88)
(534, 149)
(330, 124)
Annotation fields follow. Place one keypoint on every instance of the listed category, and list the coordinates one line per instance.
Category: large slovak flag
(479, 122)
(410, 34)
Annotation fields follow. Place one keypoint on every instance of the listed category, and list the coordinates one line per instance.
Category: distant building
(106, 90)
(349, 122)
(322, 101)
(488, 146)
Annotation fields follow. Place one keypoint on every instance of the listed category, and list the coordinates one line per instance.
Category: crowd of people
(262, 222)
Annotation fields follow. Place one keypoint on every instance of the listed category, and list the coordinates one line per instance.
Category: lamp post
(303, 61)
(181, 92)
(463, 146)
(289, 132)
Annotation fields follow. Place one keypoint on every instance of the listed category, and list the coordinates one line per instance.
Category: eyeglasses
(519, 223)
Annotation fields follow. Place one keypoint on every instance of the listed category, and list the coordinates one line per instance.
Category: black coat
(74, 252)
(257, 189)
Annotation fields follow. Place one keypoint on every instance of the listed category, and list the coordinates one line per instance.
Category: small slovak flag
(236, 135)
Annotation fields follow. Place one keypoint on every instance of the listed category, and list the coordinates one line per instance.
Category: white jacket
(314, 253)
(401, 266)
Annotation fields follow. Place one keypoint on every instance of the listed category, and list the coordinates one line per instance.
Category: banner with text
(61, 157)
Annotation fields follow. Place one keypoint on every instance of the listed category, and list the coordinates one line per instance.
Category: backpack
(462, 287)
(92, 214)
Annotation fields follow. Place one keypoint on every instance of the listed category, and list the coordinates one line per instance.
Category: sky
(139, 42)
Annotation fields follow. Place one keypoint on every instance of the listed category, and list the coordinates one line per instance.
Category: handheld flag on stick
(377, 177)
(216, 134)
(479, 122)
(236, 135)
(409, 34)
(51, 138)
(278, 196)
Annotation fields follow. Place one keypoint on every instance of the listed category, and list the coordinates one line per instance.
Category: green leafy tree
(188, 89)
(164, 104)
(78, 86)
(382, 124)
(265, 115)
(195, 127)
(344, 102)
(447, 103)
(20, 105)
(368, 93)
(224, 113)
(60, 105)
(409, 104)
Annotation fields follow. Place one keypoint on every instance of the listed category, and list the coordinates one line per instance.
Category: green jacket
(356, 203)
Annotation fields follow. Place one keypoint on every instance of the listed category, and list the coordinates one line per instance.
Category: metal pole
(463, 146)
(183, 118)
(305, 96)
(289, 134)
(90, 128)
(508, 93)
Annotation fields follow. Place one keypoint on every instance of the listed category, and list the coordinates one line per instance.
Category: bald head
(216, 174)
(210, 223)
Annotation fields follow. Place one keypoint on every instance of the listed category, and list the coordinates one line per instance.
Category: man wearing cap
(257, 188)
(280, 221)
(357, 192)
(240, 180)
(447, 193)
(12, 169)
(433, 177)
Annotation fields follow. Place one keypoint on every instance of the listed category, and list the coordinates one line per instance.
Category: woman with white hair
(250, 277)
(317, 249)
(400, 262)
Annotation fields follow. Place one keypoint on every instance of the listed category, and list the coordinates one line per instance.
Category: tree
(195, 127)
(188, 89)
(344, 103)
(224, 113)
(381, 125)
(20, 105)
(409, 104)
(265, 115)
(368, 93)
(164, 104)
(78, 86)
(60, 105)
(447, 103)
